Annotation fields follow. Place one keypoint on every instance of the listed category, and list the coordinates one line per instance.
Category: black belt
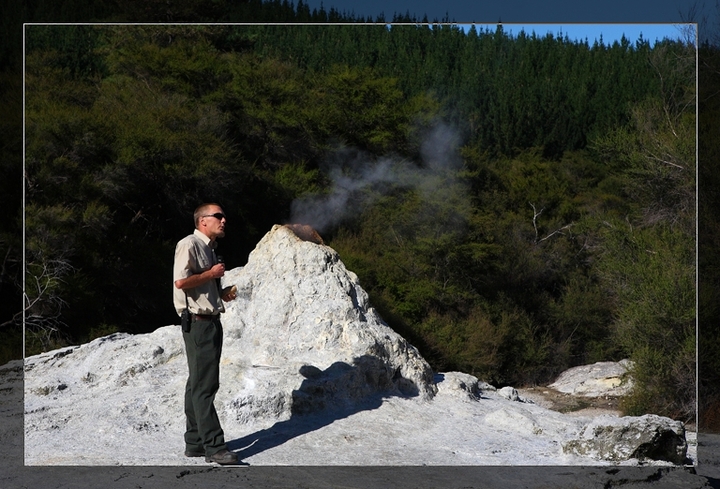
(205, 317)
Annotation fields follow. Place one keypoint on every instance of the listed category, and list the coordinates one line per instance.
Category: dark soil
(567, 403)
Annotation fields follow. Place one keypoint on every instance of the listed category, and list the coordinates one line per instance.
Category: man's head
(210, 220)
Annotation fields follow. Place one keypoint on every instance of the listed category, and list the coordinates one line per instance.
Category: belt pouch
(185, 317)
(185, 320)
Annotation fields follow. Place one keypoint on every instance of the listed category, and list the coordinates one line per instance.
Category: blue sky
(592, 32)
(492, 11)
(654, 18)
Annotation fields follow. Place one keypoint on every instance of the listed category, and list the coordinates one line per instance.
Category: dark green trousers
(203, 346)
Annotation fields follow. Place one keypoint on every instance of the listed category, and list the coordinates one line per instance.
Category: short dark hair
(201, 210)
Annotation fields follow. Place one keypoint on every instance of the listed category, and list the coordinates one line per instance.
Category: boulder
(509, 393)
(647, 437)
(461, 385)
(598, 379)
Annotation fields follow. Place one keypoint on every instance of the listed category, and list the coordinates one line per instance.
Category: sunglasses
(218, 215)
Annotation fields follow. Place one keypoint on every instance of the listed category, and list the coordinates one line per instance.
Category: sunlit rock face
(644, 437)
(598, 379)
(300, 338)
(310, 375)
(307, 337)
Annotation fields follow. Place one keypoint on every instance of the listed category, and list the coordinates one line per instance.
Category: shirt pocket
(204, 262)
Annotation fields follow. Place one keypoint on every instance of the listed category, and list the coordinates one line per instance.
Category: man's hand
(217, 271)
(229, 293)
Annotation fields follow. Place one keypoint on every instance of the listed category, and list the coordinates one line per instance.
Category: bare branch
(536, 214)
(15, 321)
(666, 162)
(42, 306)
(557, 231)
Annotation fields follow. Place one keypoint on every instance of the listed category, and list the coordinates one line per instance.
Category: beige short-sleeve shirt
(194, 254)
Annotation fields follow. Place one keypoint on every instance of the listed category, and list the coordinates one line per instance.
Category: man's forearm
(194, 280)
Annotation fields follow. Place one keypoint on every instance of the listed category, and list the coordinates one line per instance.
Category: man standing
(195, 274)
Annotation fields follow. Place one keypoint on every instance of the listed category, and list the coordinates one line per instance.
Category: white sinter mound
(310, 375)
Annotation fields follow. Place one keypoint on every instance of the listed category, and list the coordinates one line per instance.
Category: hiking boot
(195, 453)
(223, 457)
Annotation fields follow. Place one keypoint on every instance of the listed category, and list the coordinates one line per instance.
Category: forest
(513, 205)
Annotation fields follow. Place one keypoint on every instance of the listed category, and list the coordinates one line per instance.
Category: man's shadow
(326, 396)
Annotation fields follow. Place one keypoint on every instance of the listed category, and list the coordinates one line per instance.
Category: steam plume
(358, 180)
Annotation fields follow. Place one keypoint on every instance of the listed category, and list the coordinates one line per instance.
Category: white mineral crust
(310, 375)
